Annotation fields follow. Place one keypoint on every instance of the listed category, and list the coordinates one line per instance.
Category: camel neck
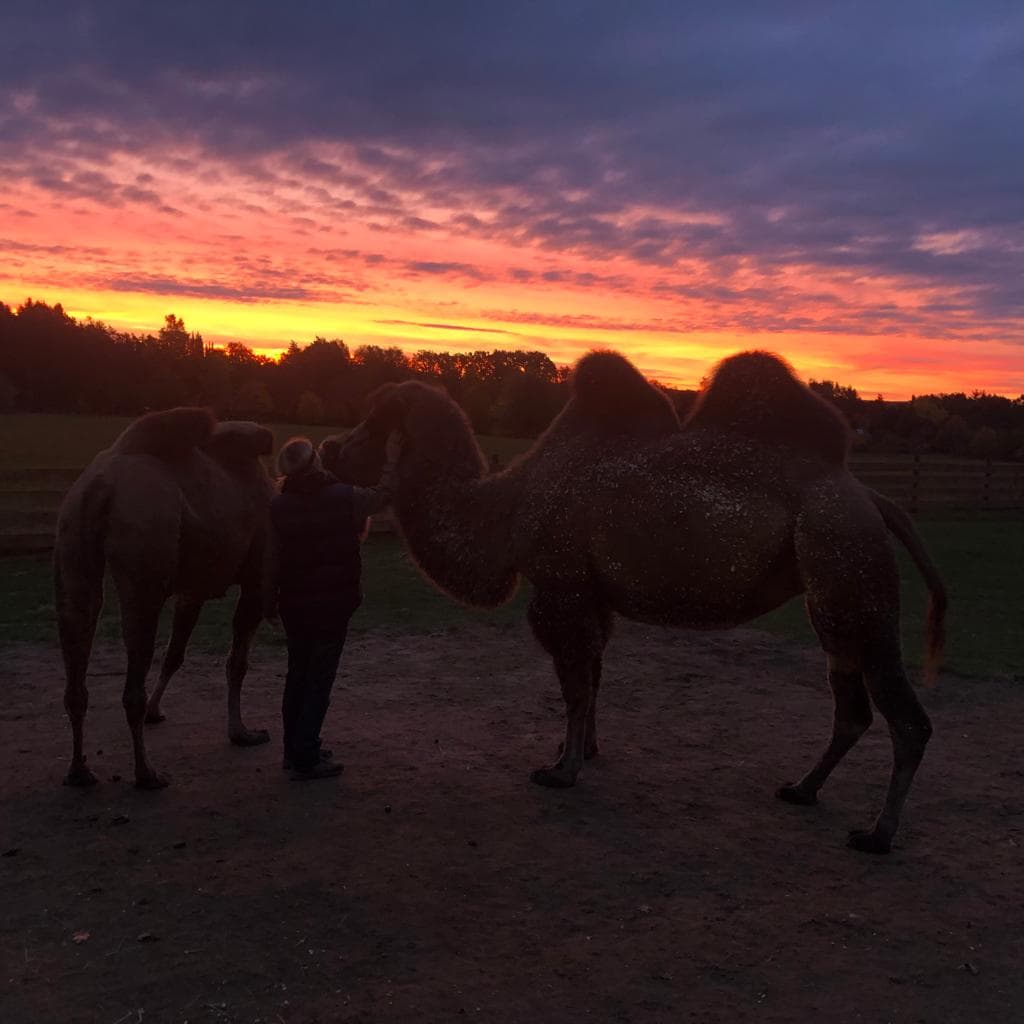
(457, 523)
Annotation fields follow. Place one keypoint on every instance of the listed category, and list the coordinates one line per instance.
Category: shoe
(325, 755)
(321, 770)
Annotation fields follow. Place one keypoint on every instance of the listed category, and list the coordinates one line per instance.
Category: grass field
(980, 557)
(37, 440)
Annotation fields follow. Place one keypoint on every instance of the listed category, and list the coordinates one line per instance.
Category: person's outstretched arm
(368, 500)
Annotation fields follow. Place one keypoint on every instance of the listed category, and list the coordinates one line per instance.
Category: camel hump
(758, 395)
(609, 389)
(240, 438)
(168, 434)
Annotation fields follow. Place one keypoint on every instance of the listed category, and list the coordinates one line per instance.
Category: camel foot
(869, 841)
(151, 779)
(249, 737)
(79, 775)
(796, 795)
(155, 717)
(554, 778)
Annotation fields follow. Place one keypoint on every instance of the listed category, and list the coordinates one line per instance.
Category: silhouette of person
(312, 579)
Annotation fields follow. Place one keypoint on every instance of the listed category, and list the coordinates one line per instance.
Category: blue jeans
(312, 666)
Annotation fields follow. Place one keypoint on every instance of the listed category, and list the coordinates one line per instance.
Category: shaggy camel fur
(616, 509)
(177, 505)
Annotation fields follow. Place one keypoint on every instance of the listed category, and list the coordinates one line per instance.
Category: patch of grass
(981, 558)
(42, 440)
(395, 596)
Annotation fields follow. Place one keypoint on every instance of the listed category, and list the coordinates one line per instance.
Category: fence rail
(29, 498)
(925, 483)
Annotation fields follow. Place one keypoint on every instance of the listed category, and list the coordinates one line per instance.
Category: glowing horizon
(247, 199)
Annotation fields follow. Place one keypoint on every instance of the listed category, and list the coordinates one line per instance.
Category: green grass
(980, 555)
(38, 440)
(981, 558)
(395, 596)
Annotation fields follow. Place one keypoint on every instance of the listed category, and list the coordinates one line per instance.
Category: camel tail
(902, 526)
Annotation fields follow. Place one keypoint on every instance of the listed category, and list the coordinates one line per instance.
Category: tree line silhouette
(51, 362)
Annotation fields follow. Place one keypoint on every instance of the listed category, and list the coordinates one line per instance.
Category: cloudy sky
(842, 183)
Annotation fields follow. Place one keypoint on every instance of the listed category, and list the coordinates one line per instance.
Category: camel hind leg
(186, 614)
(909, 729)
(852, 584)
(141, 602)
(851, 719)
(79, 598)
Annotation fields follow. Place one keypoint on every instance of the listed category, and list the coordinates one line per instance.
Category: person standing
(312, 580)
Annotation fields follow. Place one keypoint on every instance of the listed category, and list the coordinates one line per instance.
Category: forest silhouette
(53, 363)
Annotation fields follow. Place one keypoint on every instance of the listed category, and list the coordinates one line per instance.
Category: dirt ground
(433, 882)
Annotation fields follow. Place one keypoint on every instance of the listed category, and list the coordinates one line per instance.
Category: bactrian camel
(619, 510)
(176, 506)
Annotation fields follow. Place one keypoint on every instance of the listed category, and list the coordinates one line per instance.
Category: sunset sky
(841, 183)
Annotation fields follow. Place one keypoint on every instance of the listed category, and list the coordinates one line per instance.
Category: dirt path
(434, 883)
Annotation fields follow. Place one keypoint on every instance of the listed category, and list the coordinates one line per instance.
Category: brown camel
(177, 505)
(617, 509)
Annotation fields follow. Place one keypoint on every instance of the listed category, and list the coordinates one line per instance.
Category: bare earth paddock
(433, 882)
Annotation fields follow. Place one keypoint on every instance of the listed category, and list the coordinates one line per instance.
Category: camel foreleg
(571, 630)
(591, 748)
(186, 614)
(248, 613)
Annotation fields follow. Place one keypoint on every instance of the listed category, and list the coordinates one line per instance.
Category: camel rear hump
(756, 394)
(169, 434)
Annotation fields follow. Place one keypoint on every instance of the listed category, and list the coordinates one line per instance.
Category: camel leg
(851, 718)
(186, 614)
(591, 748)
(248, 613)
(852, 583)
(910, 730)
(78, 609)
(590, 745)
(140, 613)
(569, 629)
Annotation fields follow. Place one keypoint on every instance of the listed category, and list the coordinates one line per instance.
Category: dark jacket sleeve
(368, 500)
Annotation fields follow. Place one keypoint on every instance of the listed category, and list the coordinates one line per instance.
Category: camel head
(431, 426)
(359, 457)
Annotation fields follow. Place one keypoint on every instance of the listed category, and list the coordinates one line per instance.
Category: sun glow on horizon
(266, 257)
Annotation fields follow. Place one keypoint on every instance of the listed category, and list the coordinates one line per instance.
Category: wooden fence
(29, 498)
(920, 484)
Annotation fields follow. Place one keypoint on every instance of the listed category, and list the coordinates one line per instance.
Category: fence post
(915, 479)
(986, 492)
